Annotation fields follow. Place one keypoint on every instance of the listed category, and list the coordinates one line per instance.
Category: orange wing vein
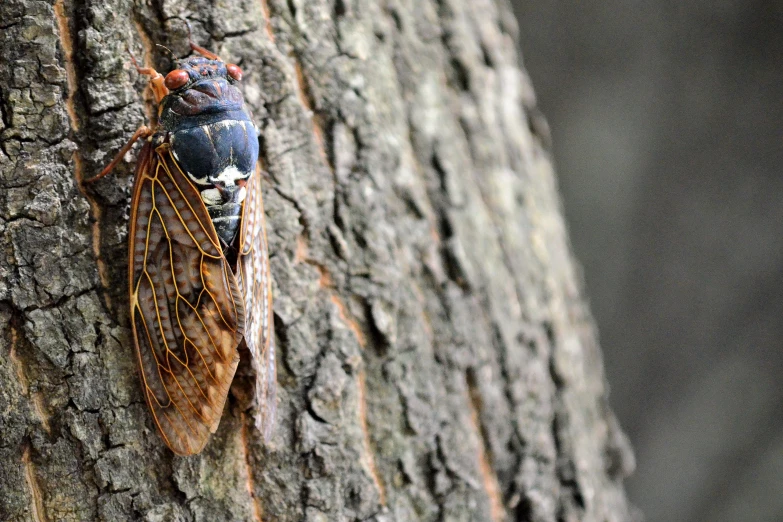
(187, 312)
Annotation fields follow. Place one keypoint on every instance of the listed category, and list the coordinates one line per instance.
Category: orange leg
(159, 89)
(203, 52)
(141, 133)
(200, 50)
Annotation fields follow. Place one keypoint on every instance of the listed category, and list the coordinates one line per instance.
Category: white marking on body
(220, 219)
(200, 181)
(228, 123)
(229, 176)
(211, 197)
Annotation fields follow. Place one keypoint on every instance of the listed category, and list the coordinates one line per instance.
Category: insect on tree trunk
(436, 359)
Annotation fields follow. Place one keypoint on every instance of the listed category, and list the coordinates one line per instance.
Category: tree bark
(437, 360)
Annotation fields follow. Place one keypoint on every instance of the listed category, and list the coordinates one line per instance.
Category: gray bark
(437, 359)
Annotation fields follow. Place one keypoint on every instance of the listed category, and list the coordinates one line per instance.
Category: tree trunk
(437, 360)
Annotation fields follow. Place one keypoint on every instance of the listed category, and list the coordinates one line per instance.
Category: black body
(213, 140)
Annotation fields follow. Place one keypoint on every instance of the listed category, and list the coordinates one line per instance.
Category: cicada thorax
(218, 158)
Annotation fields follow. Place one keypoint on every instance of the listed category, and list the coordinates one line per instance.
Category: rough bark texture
(437, 360)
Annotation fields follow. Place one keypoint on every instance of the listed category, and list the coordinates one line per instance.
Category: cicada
(199, 275)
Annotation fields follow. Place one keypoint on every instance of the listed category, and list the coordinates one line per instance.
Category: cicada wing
(256, 284)
(186, 309)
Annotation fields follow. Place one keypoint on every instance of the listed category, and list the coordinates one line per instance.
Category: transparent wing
(186, 309)
(256, 284)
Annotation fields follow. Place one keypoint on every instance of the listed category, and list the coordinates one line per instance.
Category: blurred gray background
(667, 123)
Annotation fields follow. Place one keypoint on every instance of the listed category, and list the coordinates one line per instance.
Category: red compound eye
(234, 71)
(176, 79)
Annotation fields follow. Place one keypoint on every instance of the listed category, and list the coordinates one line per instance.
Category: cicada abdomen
(199, 276)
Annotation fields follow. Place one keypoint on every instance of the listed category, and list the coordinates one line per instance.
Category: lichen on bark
(437, 359)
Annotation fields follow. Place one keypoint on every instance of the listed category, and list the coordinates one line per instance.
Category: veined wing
(256, 283)
(186, 309)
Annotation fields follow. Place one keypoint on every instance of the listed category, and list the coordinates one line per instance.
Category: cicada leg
(159, 89)
(141, 133)
(200, 50)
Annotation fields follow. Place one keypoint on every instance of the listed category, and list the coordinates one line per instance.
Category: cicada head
(200, 86)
